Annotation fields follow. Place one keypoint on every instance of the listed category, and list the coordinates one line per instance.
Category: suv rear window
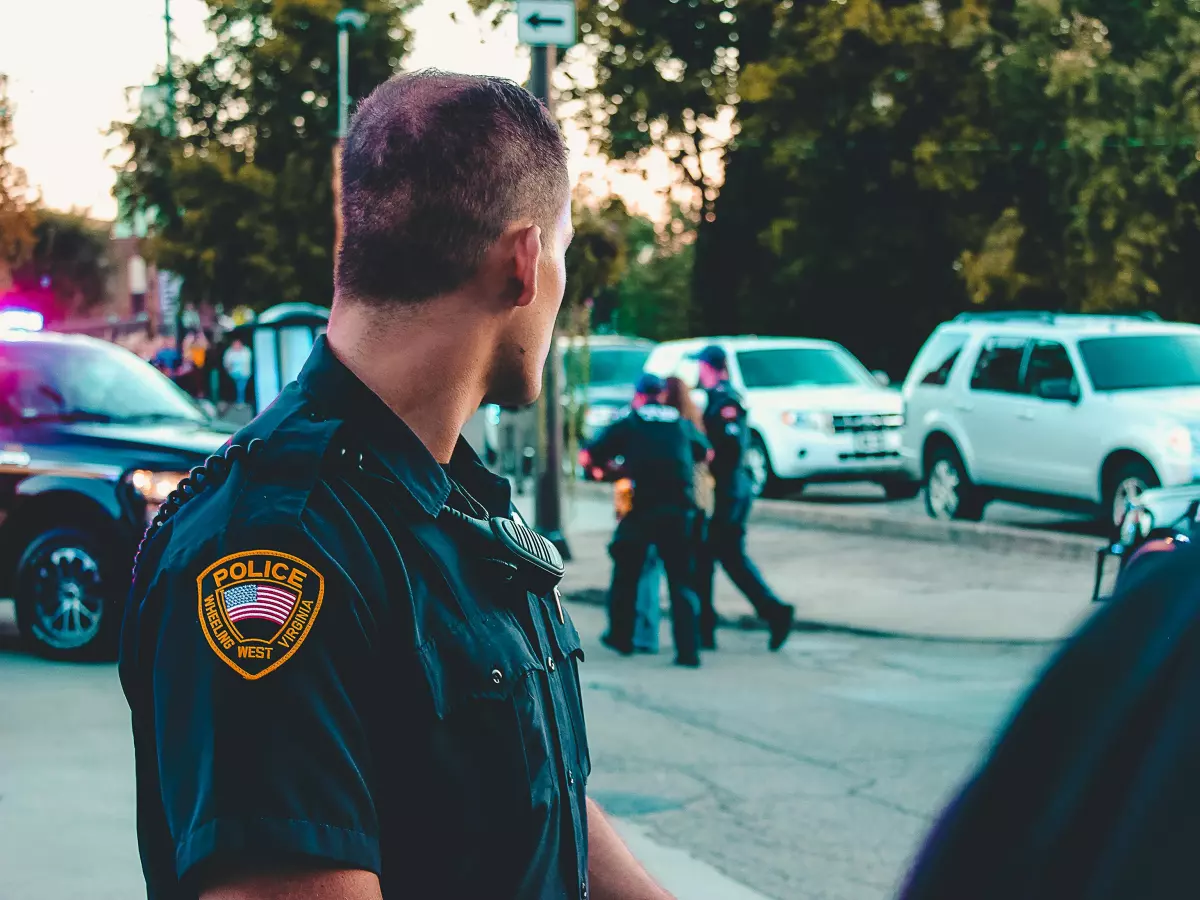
(999, 366)
(936, 361)
(1141, 362)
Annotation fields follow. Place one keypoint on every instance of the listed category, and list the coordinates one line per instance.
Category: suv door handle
(963, 406)
(1026, 414)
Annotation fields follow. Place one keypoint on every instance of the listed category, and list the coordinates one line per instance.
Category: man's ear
(527, 251)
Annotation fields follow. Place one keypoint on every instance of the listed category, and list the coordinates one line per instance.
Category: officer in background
(343, 683)
(660, 450)
(725, 425)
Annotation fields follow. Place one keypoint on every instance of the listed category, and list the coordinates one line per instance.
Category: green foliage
(72, 252)
(16, 213)
(244, 194)
(653, 300)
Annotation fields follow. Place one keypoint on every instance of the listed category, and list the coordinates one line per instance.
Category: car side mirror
(1059, 389)
(882, 378)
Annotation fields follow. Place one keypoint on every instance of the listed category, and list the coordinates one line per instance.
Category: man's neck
(426, 369)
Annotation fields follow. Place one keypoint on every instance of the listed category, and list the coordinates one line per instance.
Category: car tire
(763, 481)
(68, 596)
(901, 490)
(949, 492)
(1125, 483)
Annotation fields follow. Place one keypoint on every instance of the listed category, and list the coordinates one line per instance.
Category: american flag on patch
(259, 601)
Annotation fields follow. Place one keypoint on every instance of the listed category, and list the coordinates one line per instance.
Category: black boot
(781, 626)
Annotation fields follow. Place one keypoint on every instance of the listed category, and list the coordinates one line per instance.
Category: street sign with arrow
(546, 23)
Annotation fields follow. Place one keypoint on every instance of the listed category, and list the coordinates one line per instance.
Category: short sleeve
(260, 688)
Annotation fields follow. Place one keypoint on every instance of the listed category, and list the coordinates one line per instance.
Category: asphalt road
(805, 775)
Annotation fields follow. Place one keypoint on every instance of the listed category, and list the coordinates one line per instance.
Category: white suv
(1070, 412)
(816, 413)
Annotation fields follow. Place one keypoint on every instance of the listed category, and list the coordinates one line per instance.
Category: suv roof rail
(1005, 315)
(1049, 317)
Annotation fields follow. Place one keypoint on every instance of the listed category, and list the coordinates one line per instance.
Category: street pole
(345, 20)
(548, 518)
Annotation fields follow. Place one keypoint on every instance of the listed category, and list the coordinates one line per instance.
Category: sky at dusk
(90, 56)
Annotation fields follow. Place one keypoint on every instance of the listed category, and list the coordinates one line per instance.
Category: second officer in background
(660, 450)
(726, 426)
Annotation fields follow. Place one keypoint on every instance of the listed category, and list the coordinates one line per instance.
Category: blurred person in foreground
(1092, 791)
(660, 449)
(343, 684)
(727, 430)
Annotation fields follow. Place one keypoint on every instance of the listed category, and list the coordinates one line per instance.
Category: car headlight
(154, 486)
(1136, 525)
(600, 416)
(809, 421)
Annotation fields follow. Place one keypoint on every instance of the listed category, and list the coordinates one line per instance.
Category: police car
(92, 441)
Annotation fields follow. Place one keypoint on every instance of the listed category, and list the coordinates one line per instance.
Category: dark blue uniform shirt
(660, 450)
(728, 431)
(320, 670)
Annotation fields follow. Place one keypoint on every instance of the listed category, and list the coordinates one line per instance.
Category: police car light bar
(21, 320)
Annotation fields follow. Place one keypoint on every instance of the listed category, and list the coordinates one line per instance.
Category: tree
(243, 185)
(16, 211)
(70, 259)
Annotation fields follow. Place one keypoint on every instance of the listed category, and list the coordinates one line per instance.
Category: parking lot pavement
(873, 583)
(809, 774)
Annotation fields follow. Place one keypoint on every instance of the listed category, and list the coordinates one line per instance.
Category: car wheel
(758, 463)
(901, 490)
(66, 597)
(1125, 485)
(949, 493)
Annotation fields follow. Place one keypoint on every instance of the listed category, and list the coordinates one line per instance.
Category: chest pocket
(489, 756)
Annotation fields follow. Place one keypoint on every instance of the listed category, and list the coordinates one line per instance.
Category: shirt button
(571, 778)
(497, 676)
(583, 891)
(550, 663)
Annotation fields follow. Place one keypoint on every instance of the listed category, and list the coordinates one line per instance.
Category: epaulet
(285, 450)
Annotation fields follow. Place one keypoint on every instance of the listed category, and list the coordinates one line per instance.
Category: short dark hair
(435, 166)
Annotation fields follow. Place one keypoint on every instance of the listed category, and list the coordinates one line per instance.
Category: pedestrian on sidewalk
(238, 362)
(726, 427)
(660, 449)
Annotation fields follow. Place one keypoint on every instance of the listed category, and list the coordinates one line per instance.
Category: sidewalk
(875, 584)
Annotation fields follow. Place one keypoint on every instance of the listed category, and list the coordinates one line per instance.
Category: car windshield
(82, 382)
(607, 365)
(1142, 362)
(800, 367)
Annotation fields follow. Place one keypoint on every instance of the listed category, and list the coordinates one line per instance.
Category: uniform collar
(338, 393)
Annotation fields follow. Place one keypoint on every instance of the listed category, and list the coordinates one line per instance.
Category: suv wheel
(949, 493)
(66, 605)
(758, 464)
(1125, 485)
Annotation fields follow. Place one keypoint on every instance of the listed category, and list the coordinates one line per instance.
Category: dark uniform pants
(670, 533)
(726, 544)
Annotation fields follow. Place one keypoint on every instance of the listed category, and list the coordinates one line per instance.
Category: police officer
(345, 681)
(725, 425)
(660, 450)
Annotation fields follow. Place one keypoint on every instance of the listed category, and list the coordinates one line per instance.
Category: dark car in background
(92, 440)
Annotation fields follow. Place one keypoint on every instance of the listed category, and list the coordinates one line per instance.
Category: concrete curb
(598, 597)
(997, 538)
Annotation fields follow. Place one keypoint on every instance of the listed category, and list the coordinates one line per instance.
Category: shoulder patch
(257, 607)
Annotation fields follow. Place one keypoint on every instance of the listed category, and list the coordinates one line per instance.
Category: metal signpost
(546, 25)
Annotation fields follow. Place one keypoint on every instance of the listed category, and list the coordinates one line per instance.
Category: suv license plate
(868, 442)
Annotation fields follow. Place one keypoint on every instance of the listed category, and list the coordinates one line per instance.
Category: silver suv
(1073, 412)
